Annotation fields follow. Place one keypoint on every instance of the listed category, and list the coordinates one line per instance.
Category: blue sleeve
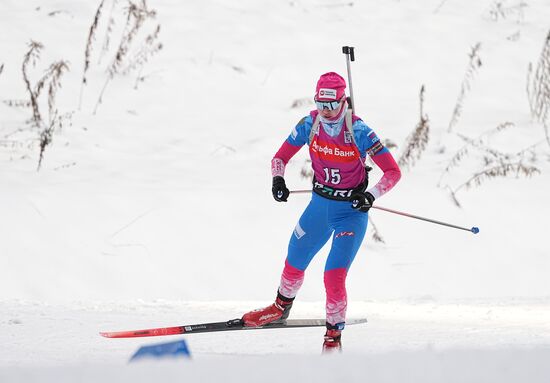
(300, 134)
(367, 140)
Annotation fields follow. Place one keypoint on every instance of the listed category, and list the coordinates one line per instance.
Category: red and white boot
(277, 312)
(333, 339)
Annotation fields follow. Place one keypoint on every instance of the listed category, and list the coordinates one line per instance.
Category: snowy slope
(163, 194)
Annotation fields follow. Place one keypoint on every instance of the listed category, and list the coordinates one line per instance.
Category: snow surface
(156, 210)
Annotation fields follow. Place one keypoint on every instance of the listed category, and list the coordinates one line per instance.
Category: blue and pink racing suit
(338, 162)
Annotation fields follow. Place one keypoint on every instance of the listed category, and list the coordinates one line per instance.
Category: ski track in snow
(392, 326)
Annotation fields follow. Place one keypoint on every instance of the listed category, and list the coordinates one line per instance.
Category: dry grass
(150, 47)
(418, 140)
(299, 102)
(306, 172)
(88, 50)
(376, 236)
(494, 163)
(57, 70)
(502, 168)
(132, 52)
(439, 6)
(473, 65)
(111, 23)
(479, 144)
(50, 80)
(137, 45)
(137, 14)
(30, 59)
(501, 9)
(17, 103)
(57, 122)
(538, 88)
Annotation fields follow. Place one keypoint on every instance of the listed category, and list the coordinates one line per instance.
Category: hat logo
(327, 93)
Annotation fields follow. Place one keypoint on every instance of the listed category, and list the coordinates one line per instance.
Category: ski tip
(113, 334)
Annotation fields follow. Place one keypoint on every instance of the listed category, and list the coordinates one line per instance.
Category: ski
(231, 325)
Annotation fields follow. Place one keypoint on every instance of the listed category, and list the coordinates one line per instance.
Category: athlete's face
(331, 113)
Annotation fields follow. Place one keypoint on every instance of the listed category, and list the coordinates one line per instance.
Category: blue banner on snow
(171, 350)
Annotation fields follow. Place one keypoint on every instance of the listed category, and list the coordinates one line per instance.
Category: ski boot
(333, 338)
(276, 312)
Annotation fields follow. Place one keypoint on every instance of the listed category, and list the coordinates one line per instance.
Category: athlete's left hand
(362, 201)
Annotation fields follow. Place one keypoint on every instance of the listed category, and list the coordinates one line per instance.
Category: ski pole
(350, 56)
(473, 229)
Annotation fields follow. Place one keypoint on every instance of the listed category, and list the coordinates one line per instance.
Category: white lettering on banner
(342, 193)
(327, 93)
(321, 149)
(343, 153)
(326, 150)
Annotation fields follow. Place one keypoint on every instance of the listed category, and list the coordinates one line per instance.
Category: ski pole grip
(349, 51)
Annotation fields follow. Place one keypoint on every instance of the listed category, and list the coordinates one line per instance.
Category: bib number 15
(332, 176)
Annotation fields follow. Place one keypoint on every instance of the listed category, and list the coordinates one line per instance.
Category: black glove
(362, 201)
(279, 189)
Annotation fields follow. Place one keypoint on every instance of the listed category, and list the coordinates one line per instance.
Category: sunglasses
(330, 105)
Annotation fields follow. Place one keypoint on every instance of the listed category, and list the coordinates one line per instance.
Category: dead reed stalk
(473, 65)
(50, 80)
(57, 122)
(88, 50)
(538, 88)
(495, 164)
(418, 139)
(147, 50)
(110, 27)
(501, 169)
(57, 70)
(17, 103)
(479, 144)
(136, 16)
(376, 236)
(30, 58)
(500, 10)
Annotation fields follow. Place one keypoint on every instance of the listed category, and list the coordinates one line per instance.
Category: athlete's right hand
(362, 201)
(279, 189)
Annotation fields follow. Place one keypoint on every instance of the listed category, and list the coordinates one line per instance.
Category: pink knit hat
(330, 87)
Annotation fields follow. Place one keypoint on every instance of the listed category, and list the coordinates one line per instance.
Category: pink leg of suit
(337, 300)
(335, 286)
(291, 281)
